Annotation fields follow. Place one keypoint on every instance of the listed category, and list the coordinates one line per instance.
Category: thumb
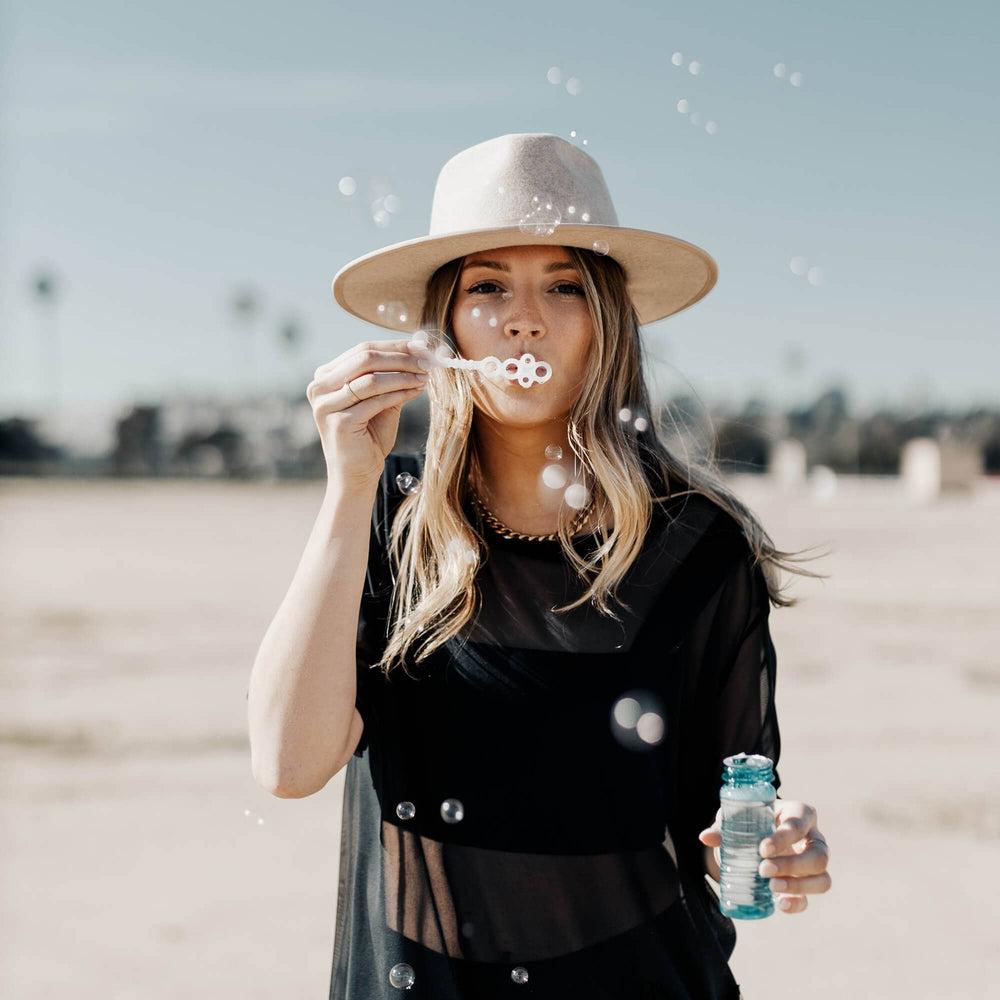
(711, 837)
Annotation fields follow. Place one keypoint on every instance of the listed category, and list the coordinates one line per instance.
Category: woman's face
(524, 299)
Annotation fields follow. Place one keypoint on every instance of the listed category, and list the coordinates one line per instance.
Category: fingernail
(768, 868)
(424, 363)
(766, 847)
(785, 904)
(779, 884)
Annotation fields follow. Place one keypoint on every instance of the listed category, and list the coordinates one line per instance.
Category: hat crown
(510, 181)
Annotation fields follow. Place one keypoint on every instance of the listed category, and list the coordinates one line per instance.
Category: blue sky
(158, 155)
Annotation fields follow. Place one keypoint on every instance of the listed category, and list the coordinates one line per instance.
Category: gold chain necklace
(498, 526)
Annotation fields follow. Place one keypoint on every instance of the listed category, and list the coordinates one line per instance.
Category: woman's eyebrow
(496, 265)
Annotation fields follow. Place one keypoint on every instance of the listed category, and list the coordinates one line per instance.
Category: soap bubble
(814, 276)
(381, 218)
(554, 75)
(519, 975)
(493, 321)
(347, 185)
(393, 313)
(822, 483)
(407, 483)
(444, 352)
(572, 134)
(798, 265)
(574, 85)
(392, 203)
(677, 59)
(694, 68)
(585, 216)
(468, 928)
(601, 247)
(576, 496)
(406, 810)
(779, 70)
(683, 106)
(625, 415)
(571, 209)
(585, 141)
(711, 128)
(554, 476)
(795, 79)
(641, 424)
(401, 976)
(542, 219)
(553, 452)
(638, 720)
(476, 312)
(452, 811)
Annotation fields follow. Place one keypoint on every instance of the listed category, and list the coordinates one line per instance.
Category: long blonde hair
(436, 551)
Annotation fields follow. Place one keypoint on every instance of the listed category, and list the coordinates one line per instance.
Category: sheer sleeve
(736, 706)
(373, 614)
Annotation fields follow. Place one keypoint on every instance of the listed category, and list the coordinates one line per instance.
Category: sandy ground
(140, 860)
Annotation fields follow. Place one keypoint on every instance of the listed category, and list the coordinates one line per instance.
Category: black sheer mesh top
(510, 828)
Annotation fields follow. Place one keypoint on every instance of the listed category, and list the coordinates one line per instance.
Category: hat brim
(665, 274)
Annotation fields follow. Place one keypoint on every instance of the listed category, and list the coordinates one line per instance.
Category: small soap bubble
(392, 203)
(468, 928)
(476, 312)
(493, 321)
(452, 811)
(381, 218)
(260, 820)
(822, 483)
(246, 812)
(798, 265)
(779, 70)
(585, 216)
(541, 220)
(402, 976)
(574, 85)
(554, 75)
(586, 141)
(347, 185)
(694, 67)
(553, 452)
(554, 476)
(576, 496)
(519, 975)
(407, 483)
(814, 276)
(638, 719)
(677, 59)
(795, 79)
(572, 134)
(571, 209)
(601, 247)
(393, 312)
(406, 810)
(625, 415)
(711, 128)
(641, 424)
(683, 106)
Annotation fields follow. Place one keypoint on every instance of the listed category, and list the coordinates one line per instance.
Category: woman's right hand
(358, 436)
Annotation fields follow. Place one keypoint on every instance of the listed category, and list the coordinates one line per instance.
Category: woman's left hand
(796, 854)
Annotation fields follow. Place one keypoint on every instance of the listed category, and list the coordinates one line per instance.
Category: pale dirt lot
(130, 616)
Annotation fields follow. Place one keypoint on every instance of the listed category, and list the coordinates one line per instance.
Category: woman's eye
(483, 285)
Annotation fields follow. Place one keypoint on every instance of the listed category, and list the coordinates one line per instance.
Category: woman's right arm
(303, 723)
(301, 704)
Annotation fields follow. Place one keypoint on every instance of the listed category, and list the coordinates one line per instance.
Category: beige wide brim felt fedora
(518, 189)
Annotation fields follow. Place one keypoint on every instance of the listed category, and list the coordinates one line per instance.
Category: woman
(506, 829)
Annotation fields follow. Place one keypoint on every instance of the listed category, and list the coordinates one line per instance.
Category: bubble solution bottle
(747, 800)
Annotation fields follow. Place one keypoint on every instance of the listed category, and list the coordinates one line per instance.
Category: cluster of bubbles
(638, 720)
(383, 206)
(636, 421)
(544, 217)
(694, 117)
(394, 313)
(452, 810)
(694, 67)
(402, 976)
(795, 79)
(572, 135)
(555, 77)
(799, 266)
(555, 477)
(260, 819)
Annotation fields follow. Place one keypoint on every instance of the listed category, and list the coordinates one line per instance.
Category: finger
(391, 356)
(711, 837)
(794, 820)
(792, 904)
(341, 401)
(806, 883)
(363, 387)
(811, 861)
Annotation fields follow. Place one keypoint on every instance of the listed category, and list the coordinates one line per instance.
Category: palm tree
(291, 335)
(44, 287)
(246, 308)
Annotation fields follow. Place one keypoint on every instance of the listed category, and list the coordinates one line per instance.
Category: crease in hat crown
(492, 184)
